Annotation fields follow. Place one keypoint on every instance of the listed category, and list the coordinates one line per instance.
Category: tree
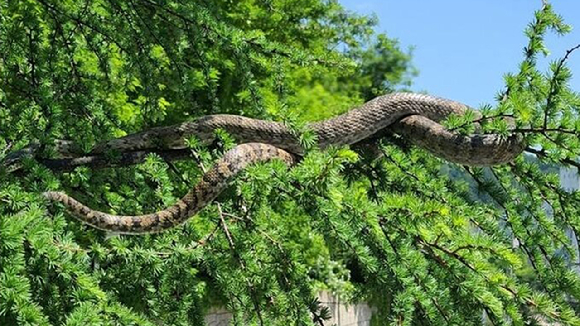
(395, 230)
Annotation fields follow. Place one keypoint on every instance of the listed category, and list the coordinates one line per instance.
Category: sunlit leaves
(425, 244)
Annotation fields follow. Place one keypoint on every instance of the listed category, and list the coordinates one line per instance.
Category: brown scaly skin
(413, 116)
(474, 150)
(207, 189)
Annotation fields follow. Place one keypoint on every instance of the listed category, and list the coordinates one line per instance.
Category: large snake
(414, 116)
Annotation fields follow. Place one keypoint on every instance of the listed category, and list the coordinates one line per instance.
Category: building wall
(342, 314)
(569, 178)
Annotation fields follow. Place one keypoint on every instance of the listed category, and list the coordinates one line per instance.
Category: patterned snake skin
(413, 116)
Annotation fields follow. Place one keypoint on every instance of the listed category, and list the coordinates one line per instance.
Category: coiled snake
(414, 116)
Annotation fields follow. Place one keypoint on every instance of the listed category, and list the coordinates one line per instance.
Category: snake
(414, 116)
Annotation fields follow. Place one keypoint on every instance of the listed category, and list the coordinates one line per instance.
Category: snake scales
(414, 116)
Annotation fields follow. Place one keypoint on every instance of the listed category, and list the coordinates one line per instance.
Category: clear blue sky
(463, 48)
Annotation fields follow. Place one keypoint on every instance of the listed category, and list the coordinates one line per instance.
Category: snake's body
(414, 116)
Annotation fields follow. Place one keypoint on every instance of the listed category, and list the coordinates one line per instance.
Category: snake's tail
(209, 187)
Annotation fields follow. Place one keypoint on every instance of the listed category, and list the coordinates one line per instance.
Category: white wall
(342, 314)
(569, 178)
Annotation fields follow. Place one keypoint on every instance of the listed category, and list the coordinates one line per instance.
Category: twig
(241, 262)
(554, 83)
(544, 154)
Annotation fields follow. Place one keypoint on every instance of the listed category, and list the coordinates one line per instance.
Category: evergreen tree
(397, 230)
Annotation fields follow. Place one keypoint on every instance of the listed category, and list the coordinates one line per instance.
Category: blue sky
(463, 48)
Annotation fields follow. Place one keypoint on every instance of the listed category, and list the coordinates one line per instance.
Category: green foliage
(399, 231)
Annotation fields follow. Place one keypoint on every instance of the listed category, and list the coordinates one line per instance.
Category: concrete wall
(218, 317)
(569, 178)
(342, 314)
